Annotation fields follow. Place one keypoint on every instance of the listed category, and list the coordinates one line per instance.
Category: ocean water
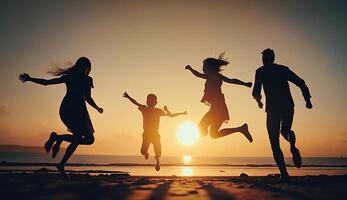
(178, 166)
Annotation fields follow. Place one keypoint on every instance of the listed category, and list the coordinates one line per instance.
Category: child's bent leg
(204, 123)
(144, 147)
(242, 129)
(214, 129)
(157, 151)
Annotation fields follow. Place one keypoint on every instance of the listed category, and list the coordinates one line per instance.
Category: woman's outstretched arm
(235, 81)
(195, 73)
(26, 77)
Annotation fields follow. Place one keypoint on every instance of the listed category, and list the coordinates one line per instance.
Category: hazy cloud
(344, 135)
(3, 111)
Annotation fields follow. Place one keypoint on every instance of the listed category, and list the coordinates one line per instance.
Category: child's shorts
(147, 139)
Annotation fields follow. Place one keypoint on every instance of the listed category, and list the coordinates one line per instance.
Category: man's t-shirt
(151, 118)
(274, 78)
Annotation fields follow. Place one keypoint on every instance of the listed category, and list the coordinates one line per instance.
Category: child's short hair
(151, 100)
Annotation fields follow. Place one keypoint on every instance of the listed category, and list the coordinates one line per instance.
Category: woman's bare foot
(246, 133)
(60, 168)
(52, 138)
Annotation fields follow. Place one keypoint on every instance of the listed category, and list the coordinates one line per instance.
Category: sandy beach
(50, 185)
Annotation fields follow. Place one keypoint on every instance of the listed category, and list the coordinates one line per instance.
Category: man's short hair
(269, 55)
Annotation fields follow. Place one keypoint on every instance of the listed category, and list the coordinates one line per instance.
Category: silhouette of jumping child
(73, 111)
(279, 106)
(151, 118)
(214, 98)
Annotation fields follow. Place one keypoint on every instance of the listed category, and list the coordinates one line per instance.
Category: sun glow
(187, 133)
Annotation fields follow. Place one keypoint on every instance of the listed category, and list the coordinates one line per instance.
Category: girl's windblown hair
(80, 66)
(213, 65)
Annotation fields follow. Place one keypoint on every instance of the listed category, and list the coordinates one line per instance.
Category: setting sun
(187, 133)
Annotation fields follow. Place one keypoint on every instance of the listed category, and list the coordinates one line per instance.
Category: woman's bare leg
(69, 151)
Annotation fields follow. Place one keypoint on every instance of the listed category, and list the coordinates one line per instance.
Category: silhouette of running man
(279, 106)
(73, 111)
(151, 119)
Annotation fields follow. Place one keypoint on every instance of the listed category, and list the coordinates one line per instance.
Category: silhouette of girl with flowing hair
(73, 110)
(214, 98)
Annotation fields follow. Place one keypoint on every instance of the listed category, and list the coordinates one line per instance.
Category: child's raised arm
(126, 95)
(235, 81)
(196, 73)
(168, 113)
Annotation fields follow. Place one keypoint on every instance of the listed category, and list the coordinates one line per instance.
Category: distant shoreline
(16, 164)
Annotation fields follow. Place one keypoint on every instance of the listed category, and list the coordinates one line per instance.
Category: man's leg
(289, 135)
(273, 128)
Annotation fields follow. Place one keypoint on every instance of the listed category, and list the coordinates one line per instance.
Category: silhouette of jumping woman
(279, 106)
(214, 98)
(151, 119)
(73, 110)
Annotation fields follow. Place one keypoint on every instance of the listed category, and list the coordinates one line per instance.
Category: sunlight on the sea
(188, 133)
(187, 171)
(187, 159)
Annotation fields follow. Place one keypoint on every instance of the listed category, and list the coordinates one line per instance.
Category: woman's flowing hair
(80, 66)
(214, 65)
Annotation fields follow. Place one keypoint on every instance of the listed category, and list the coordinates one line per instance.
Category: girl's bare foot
(48, 145)
(246, 133)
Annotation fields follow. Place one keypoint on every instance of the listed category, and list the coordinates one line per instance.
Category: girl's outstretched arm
(196, 73)
(168, 113)
(235, 81)
(25, 77)
(126, 95)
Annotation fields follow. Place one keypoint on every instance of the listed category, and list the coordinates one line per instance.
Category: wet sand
(50, 185)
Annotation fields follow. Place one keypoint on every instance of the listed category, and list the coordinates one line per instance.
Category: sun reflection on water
(187, 171)
(187, 159)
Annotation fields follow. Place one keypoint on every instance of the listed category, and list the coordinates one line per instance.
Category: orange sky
(143, 46)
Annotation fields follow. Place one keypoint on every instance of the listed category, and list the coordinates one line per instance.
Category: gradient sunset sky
(143, 46)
